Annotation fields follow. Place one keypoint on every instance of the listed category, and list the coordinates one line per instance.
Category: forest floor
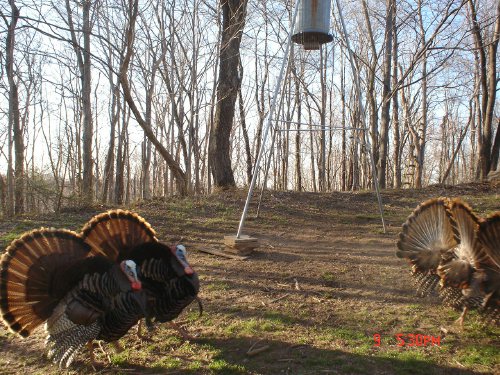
(323, 282)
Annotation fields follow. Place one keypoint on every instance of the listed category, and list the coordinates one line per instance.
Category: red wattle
(136, 285)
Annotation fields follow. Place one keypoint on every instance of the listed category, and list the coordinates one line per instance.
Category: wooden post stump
(240, 246)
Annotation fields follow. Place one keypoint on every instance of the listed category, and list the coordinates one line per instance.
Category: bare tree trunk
(120, 159)
(488, 79)
(248, 152)
(451, 163)
(233, 20)
(421, 132)
(84, 65)
(495, 150)
(298, 158)
(16, 187)
(395, 107)
(322, 156)
(386, 94)
(110, 157)
(344, 184)
(371, 94)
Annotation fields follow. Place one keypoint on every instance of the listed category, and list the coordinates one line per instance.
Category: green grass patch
(487, 355)
(328, 276)
(221, 366)
(252, 326)
(167, 362)
(348, 337)
(195, 365)
(119, 359)
(217, 285)
(279, 319)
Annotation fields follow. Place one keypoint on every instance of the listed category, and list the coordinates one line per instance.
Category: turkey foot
(142, 336)
(461, 318)
(90, 347)
(182, 331)
(93, 362)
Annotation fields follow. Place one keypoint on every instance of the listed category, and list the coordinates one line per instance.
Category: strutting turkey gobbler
(168, 280)
(427, 234)
(460, 281)
(447, 243)
(92, 285)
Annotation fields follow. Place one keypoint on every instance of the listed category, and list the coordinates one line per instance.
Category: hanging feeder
(313, 24)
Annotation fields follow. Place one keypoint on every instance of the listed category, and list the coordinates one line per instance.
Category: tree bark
(488, 82)
(17, 190)
(386, 95)
(84, 65)
(421, 133)
(246, 139)
(233, 22)
(495, 150)
(395, 107)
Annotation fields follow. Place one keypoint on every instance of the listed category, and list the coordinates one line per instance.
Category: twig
(105, 353)
(254, 352)
(254, 345)
(223, 254)
(280, 298)
(297, 286)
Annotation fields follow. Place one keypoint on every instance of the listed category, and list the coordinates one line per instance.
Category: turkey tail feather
(489, 240)
(27, 270)
(467, 224)
(115, 233)
(489, 237)
(457, 265)
(427, 232)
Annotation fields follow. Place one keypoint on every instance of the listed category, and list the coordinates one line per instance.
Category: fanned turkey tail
(427, 233)
(113, 234)
(29, 291)
(489, 264)
(459, 279)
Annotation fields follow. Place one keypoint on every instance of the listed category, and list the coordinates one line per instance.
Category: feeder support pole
(270, 116)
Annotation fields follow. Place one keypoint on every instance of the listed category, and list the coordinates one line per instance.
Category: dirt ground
(323, 282)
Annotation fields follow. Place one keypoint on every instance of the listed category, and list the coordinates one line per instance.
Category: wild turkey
(428, 233)
(460, 281)
(85, 286)
(53, 276)
(447, 243)
(168, 280)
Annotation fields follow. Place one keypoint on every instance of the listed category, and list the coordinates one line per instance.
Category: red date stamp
(410, 339)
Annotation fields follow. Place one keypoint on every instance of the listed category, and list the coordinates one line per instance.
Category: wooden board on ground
(223, 254)
(243, 245)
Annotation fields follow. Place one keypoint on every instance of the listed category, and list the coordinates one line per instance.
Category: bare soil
(323, 282)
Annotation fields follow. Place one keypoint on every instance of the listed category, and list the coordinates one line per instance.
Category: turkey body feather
(93, 285)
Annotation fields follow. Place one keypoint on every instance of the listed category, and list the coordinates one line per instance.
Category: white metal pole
(269, 121)
(362, 110)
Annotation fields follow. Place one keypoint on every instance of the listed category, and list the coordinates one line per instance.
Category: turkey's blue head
(181, 255)
(129, 268)
(180, 252)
